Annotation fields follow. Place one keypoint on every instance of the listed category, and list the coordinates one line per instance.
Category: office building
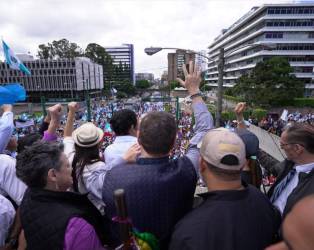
(285, 30)
(175, 63)
(56, 79)
(123, 57)
(201, 61)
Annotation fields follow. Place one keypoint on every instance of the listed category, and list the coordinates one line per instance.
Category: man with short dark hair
(124, 125)
(233, 215)
(297, 177)
(160, 191)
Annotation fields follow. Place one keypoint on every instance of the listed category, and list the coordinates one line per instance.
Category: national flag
(13, 61)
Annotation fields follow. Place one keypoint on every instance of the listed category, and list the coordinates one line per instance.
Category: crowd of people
(57, 182)
(277, 125)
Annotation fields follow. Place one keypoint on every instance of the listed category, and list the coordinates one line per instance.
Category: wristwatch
(196, 95)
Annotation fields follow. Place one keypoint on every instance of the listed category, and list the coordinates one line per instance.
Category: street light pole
(220, 87)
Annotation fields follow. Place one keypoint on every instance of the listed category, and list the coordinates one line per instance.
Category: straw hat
(87, 135)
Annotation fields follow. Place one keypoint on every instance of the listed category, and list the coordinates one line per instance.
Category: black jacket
(226, 220)
(304, 188)
(45, 215)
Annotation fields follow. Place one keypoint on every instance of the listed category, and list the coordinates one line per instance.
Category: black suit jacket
(304, 188)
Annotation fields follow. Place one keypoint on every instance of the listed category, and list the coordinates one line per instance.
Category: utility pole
(220, 86)
(177, 109)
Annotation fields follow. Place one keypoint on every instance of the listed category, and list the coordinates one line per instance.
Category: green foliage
(228, 115)
(269, 84)
(59, 49)
(142, 84)
(304, 102)
(121, 95)
(259, 113)
(174, 84)
(125, 86)
(232, 98)
(167, 107)
(229, 92)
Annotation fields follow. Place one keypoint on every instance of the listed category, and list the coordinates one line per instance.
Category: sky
(187, 24)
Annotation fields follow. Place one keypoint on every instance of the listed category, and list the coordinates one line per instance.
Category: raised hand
(73, 107)
(192, 79)
(132, 153)
(240, 107)
(55, 112)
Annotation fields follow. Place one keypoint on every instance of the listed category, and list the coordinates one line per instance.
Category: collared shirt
(120, 145)
(6, 129)
(7, 213)
(10, 184)
(281, 201)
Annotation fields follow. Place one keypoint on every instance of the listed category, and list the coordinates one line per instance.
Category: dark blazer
(304, 188)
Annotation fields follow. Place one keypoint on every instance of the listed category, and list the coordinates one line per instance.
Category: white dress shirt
(10, 184)
(118, 148)
(6, 129)
(281, 201)
(7, 213)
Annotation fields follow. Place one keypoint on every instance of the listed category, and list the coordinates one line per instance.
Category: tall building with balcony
(285, 30)
(175, 63)
(122, 56)
(56, 79)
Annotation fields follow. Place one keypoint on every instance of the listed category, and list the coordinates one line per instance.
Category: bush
(298, 102)
(259, 113)
(232, 98)
(228, 115)
(304, 102)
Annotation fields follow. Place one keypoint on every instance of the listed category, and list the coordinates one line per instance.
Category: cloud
(191, 24)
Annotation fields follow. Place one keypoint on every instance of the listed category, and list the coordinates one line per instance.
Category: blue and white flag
(12, 60)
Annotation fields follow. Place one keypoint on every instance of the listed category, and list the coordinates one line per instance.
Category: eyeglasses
(284, 144)
(292, 143)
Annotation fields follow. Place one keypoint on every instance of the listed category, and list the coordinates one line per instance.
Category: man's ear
(203, 164)
(51, 176)
(299, 149)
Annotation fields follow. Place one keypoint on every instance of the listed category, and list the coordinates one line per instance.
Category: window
(274, 35)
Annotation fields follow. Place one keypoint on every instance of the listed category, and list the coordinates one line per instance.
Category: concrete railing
(268, 142)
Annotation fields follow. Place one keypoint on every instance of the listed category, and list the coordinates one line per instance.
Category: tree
(59, 49)
(174, 84)
(142, 84)
(269, 84)
(124, 86)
